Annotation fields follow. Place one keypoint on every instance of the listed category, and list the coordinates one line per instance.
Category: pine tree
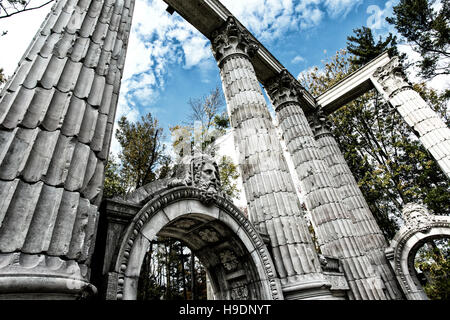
(428, 30)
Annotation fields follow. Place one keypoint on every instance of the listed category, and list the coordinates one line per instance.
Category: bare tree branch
(5, 13)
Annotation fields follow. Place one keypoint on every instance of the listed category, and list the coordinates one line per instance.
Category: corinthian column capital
(391, 78)
(284, 88)
(319, 123)
(230, 40)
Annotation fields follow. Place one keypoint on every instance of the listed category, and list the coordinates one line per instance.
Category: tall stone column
(273, 205)
(431, 130)
(336, 232)
(56, 115)
(371, 237)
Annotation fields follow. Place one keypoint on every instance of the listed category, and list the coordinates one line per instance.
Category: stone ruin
(59, 240)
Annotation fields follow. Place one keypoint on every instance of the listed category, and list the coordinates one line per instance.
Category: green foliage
(114, 185)
(228, 175)
(428, 30)
(168, 273)
(363, 47)
(212, 121)
(433, 260)
(142, 150)
(386, 158)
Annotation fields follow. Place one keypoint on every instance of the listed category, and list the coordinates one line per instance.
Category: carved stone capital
(230, 39)
(320, 124)
(391, 77)
(284, 88)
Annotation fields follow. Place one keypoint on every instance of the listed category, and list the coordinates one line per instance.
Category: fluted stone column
(56, 119)
(271, 198)
(426, 123)
(336, 232)
(367, 229)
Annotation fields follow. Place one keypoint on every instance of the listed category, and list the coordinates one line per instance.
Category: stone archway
(420, 227)
(234, 254)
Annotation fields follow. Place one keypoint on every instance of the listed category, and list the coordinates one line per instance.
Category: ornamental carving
(416, 216)
(391, 77)
(209, 235)
(200, 171)
(284, 88)
(229, 260)
(320, 124)
(184, 224)
(239, 291)
(231, 39)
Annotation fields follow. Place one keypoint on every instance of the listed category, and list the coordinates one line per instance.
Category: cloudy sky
(168, 61)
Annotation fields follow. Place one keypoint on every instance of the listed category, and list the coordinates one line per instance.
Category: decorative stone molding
(420, 227)
(391, 77)
(178, 194)
(229, 260)
(230, 40)
(283, 89)
(320, 124)
(199, 171)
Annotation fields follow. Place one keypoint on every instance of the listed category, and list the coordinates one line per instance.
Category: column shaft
(426, 123)
(333, 225)
(56, 119)
(371, 237)
(272, 201)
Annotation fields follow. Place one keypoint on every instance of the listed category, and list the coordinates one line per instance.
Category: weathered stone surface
(336, 233)
(431, 130)
(367, 229)
(264, 169)
(50, 177)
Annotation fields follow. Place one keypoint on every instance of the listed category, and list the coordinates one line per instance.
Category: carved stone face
(415, 215)
(208, 180)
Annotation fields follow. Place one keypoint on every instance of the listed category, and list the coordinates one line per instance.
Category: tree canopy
(426, 25)
(390, 165)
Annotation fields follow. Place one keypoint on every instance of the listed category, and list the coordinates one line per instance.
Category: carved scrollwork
(239, 291)
(320, 123)
(229, 260)
(284, 88)
(231, 39)
(392, 77)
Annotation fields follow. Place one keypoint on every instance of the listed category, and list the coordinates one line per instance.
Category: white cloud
(21, 29)
(377, 18)
(340, 8)
(298, 59)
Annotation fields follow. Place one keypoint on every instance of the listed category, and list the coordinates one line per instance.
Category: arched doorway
(237, 261)
(420, 227)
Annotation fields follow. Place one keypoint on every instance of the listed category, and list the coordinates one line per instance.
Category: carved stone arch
(234, 254)
(403, 249)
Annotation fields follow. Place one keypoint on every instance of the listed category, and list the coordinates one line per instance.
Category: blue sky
(168, 61)
(300, 34)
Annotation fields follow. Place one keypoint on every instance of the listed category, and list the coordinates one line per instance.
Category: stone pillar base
(41, 277)
(317, 290)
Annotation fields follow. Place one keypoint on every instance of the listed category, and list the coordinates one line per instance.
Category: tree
(9, 8)
(363, 47)
(428, 30)
(114, 185)
(142, 158)
(386, 158)
(228, 172)
(206, 123)
(433, 261)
